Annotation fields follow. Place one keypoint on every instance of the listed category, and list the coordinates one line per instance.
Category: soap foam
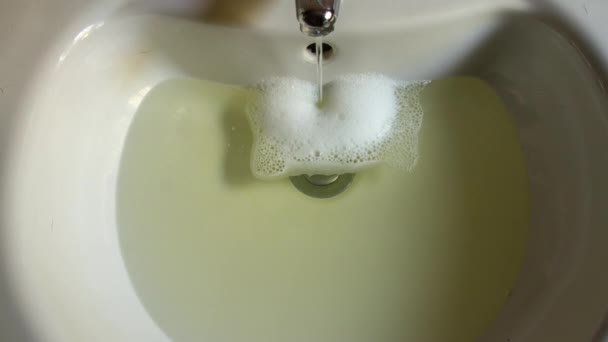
(365, 119)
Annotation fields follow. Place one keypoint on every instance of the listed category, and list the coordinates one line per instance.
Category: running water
(319, 54)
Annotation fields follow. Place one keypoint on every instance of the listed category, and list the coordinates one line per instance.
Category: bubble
(365, 119)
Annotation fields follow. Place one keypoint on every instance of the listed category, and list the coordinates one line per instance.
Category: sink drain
(319, 186)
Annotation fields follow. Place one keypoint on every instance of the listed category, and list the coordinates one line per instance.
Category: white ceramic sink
(67, 107)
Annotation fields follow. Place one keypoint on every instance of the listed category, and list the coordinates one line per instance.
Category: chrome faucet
(317, 17)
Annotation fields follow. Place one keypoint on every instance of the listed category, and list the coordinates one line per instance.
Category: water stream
(319, 54)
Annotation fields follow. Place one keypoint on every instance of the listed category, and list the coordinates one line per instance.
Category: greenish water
(215, 255)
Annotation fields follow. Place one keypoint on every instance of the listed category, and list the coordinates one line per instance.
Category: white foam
(365, 119)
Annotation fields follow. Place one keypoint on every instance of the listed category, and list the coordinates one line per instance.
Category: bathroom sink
(65, 129)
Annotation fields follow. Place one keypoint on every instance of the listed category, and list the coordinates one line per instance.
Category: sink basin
(64, 275)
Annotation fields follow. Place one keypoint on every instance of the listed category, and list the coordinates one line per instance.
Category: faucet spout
(317, 17)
